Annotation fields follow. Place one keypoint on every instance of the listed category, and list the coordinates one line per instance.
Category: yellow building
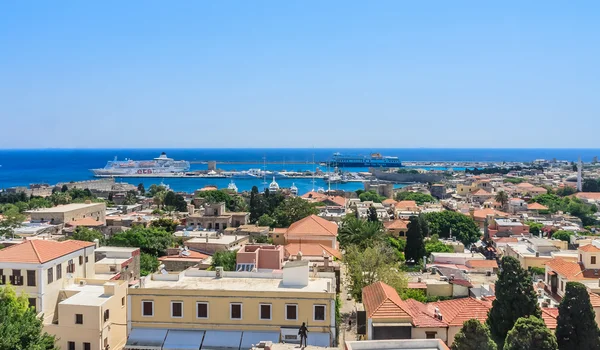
(231, 309)
(63, 214)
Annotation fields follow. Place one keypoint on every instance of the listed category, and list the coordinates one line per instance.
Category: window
(2, 277)
(430, 335)
(201, 310)
(244, 267)
(16, 278)
(216, 225)
(71, 345)
(50, 275)
(264, 311)
(593, 259)
(87, 346)
(319, 313)
(106, 315)
(81, 260)
(123, 301)
(87, 258)
(291, 312)
(235, 311)
(70, 266)
(31, 278)
(78, 318)
(177, 309)
(562, 287)
(32, 302)
(58, 271)
(147, 308)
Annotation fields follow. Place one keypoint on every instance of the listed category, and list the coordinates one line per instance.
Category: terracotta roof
(313, 195)
(455, 312)
(313, 226)
(549, 315)
(483, 213)
(588, 195)
(589, 248)
(85, 222)
(341, 201)
(396, 224)
(40, 251)
(421, 316)
(536, 206)
(525, 185)
(280, 230)
(481, 192)
(389, 201)
(382, 301)
(406, 205)
(537, 189)
(482, 264)
(570, 269)
(193, 255)
(505, 239)
(310, 249)
(595, 299)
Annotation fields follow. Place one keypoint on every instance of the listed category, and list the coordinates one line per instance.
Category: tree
(515, 298)
(360, 232)
(530, 333)
(562, 235)
(463, 226)
(151, 240)
(154, 189)
(225, 259)
(130, 198)
(64, 188)
(265, 220)
(291, 210)
(256, 209)
(591, 185)
(371, 196)
(86, 234)
(419, 198)
(167, 224)
(415, 246)
(576, 327)
(434, 245)
(148, 264)
(19, 326)
(373, 214)
(502, 198)
(141, 189)
(473, 336)
(368, 265)
(11, 219)
(534, 227)
(159, 198)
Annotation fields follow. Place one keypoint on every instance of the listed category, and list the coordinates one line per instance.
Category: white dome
(294, 189)
(274, 186)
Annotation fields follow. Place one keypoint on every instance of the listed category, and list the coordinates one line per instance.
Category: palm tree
(502, 198)
(361, 232)
(159, 198)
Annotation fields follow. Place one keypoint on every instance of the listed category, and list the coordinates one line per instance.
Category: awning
(249, 338)
(183, 340)
(146, 339)
(221, 340)
(396, 324)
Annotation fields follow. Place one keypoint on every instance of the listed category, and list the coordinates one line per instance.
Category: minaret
(579, 177)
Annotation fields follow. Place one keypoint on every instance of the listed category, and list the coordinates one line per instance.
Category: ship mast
(264, 173)
(314, 170)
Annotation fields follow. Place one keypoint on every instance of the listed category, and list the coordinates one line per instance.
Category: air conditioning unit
(219, 272)
(82, 283)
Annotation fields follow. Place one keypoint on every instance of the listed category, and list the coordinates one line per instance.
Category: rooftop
(87, 295)
(66, 208)
(107, 249)
(39, 251)
(313, 225)
(224, 239)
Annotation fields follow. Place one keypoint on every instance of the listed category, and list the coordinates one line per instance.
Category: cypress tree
(415, 246)
(515, 298)
(577, 328)
(473, 336)
(373, 214)
(530, 333)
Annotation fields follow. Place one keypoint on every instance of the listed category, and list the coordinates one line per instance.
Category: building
(231, 309)
(586, 270)
(507, 227)
(396, 228)
(397, 344)
(438, 191)
(181, 258)
(455, 258)
(479, 196)
(260, 257)
(64, 214)
(406, 209)
(117, 263)
(535, 252)
(91, 314)
(211, 242)
(311, 229)
(214, 217)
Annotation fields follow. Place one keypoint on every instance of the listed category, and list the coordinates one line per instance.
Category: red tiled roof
(505, 239)
(421, 316)
(588, 195)
(595, 299)
(483, 213)
(40, 251)
(341, 201)
(536, 206)
(396, 224)
(193, 255)
(406, 205)
(311, 249)
(455, 312)
(313, 195)
(525, 185)
(482, 264)
(382, 301)
(313, 226)
(589, 248)
(549, 315)
(481, 192)
(389, 201)
(570, 269)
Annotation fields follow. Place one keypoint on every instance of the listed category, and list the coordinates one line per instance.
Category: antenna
(314, 170)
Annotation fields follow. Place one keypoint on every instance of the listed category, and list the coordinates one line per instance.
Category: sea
(22, 167)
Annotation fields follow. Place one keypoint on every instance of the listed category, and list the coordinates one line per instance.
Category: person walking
(303, 333)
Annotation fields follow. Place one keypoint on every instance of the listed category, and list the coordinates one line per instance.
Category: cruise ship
(159, 165)
(373, 160)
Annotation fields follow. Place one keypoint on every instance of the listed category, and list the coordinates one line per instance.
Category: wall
(439, 289)
(95, 210)
(329, 241)
(420, 333)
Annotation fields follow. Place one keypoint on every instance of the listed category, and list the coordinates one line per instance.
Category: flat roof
(88, 295)
(111, 261)
(105, 249)
(225, 239)
(65, 208)
(248, 284)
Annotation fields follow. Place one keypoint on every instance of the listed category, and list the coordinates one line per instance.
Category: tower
(579, 177)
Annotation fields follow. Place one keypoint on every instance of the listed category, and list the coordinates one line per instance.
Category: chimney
(537, 254)
(299, 256)
(97, 243)
(207, 237)
(326, 261)
(109, 288)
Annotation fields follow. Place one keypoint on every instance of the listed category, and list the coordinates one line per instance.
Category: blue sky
(299, 74)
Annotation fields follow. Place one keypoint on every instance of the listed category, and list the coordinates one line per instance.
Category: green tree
(265, 220)
(534, 227)
(502, 198)
(20, 329)
(130, 198)
(373, 214)
(86, 234)
(151, 240)
(419, 198)
(360, 232)
(141, 189)
(11, 219)
(565, 191)
(291, 210)
(463, 227)
(368, 265)
(255, 207)
(38, 202)
(415, 245)
(473, 336)
(159, 198)
(225, 259)
(591, 185)
(167, 224)
(371, 196)
(148, 264)
(530, 333)
(562, 235)
(515, 298)
(434, 245)
(64, 188)
(154, 189)
(576, 323)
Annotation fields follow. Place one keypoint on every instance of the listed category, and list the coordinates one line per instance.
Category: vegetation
(293, 209)
(514, 180)
(148, 264)
(419, 198)
(86, 234)
(407, 171)
(415, 245)
(502, 198)
(176, 201)
(359, 232)
(571, 205)
(591, 185)
(473, 336)
(371, 196)
(233, 202)
(167, 224)
(515, 298)
(530, 333)
(534, 227)
(141, 189)
(576, 325)
(463, 227)
(399, 245)
(434, 245)
(565, 191)
(562, 235)
(279, 210)
(420, 295)
(494, 170)
(11, 219)
(20, 329)
(224, 259)
(373, 215)
(151, 240)
(376, 262)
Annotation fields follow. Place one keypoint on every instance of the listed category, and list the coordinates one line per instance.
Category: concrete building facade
(63, 214)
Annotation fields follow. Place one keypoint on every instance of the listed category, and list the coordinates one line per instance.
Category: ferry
(373, 160)
(159, 165)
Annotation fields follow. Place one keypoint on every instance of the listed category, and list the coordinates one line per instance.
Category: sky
(474, 74)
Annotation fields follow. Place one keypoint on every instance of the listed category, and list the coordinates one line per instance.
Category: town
(492, 255)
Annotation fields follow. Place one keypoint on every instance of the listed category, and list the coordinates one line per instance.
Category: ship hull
(366, 164)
